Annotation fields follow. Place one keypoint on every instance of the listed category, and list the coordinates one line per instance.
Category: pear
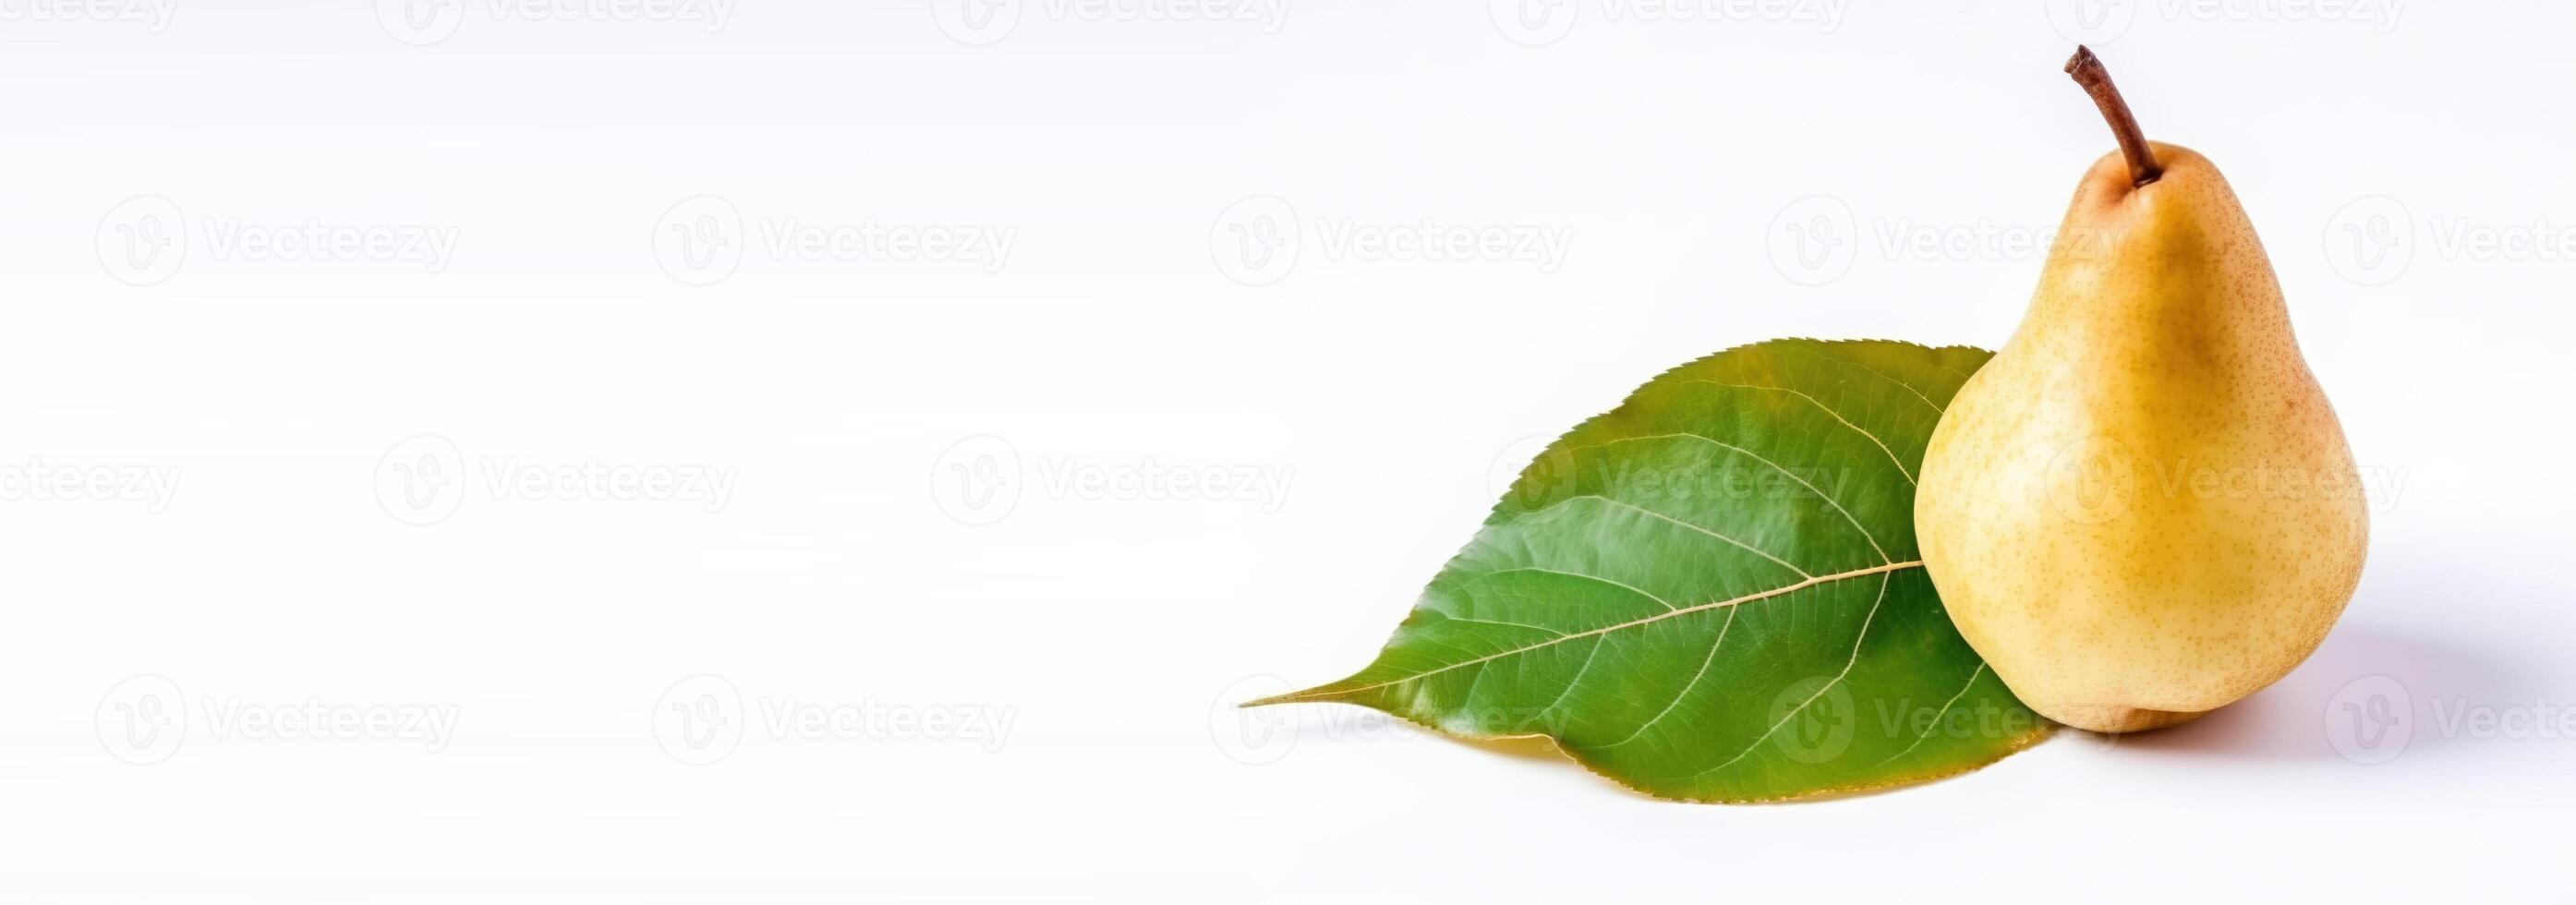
(2143, 507)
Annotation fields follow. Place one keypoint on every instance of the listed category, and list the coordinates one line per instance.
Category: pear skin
(2143, 508)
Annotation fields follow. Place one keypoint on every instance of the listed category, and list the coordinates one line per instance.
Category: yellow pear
(2143, 507)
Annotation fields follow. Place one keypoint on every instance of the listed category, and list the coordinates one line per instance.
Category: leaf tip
(1293, 697)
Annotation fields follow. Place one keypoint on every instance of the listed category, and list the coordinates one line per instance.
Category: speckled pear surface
(2143, 508)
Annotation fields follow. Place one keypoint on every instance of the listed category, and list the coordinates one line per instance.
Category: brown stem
(2088, 72)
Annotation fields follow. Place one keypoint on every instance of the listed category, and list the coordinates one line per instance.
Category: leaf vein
(1748, 547)
(1802, 482)
(1838, 416)
(1686, 687)
(1937, 715)
(1820, 689)
(1594, 654)
(1918, 394)
(1500, 622)
(1329, 691)
(1641, 592)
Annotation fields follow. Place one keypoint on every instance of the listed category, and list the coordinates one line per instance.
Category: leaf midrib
(1330, 693)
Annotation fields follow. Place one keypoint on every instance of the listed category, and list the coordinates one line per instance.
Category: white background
(904, 438)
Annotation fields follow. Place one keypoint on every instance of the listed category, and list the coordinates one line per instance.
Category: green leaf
(1713, 593)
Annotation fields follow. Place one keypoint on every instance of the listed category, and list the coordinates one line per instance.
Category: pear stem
(2088, 72)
